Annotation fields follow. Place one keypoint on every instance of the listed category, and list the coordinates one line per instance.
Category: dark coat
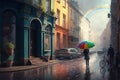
(110, 52)
(86, 54)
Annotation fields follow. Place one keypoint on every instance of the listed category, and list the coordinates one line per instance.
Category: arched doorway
(35, 38)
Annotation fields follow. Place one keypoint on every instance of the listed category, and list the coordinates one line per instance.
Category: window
(58, 1)
(47, 42)
(48, 6)
(71, 14)
(62, 51)
(73, 50)
(64, 41)
(64, 20)
(47, 38)
(64, 3)
(58, 17)
(58, 40)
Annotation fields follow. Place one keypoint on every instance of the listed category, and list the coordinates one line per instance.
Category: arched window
(9, 26)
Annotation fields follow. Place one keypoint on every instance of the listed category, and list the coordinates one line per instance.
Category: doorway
(35, 38)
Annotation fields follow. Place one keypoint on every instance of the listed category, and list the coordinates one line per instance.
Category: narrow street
(33, 33)
(67, 70)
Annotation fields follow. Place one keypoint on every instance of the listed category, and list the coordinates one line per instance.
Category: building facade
(74, 20)
(61, 24)
(25, 24)
(118, 31)
(114, 24)
(105, 36)
(115, 29)
(118, 15)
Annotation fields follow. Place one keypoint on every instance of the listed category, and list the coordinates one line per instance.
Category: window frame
(58, 1)
(64, 3)
(64, 21)
(58, 17)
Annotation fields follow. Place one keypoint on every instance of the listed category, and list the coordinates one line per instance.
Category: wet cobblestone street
(67, 70)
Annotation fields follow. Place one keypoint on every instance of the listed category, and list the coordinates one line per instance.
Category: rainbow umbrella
(86, 45)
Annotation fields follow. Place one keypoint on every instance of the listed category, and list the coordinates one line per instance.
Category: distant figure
(86, 55)
(110, 54)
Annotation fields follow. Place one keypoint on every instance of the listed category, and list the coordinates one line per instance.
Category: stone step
(36, 60)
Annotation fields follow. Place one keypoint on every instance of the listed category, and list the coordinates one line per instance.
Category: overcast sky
(86, 5)
(96, 15)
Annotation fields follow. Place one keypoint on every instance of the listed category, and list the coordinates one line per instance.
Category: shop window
(48, 30)
(9, 27)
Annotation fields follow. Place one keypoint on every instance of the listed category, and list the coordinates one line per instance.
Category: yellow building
(61, 25)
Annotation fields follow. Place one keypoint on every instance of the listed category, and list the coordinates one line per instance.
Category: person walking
(86, 57)
(110, 55)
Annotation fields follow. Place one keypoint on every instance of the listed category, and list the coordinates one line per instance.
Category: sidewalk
(36, 64)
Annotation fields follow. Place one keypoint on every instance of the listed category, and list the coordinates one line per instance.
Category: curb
(28, 67)
(33, 66)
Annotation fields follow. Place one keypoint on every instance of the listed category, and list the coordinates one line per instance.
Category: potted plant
(9, 48)
(9, 51)
(42, 8)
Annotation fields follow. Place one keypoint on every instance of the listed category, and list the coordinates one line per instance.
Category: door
(35, 38)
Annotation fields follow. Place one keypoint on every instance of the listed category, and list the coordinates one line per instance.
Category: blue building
(24, 24)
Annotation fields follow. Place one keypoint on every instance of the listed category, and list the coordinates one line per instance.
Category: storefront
(21, 25)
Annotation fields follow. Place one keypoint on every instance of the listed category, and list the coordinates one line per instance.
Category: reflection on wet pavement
(87, 75)
(68, 70)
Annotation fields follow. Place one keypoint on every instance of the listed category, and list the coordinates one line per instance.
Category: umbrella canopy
(86, 45)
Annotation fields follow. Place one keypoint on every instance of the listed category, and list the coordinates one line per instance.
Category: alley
(67, 70)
